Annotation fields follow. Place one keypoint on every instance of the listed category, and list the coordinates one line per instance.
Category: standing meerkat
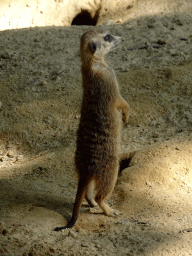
(98, 136)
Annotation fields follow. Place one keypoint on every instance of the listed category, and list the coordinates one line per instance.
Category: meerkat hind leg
(90, 194)
(100, 199)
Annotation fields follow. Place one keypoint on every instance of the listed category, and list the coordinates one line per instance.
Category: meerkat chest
(100, 84)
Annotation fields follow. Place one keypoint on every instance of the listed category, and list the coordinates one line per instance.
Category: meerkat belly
(98, 141)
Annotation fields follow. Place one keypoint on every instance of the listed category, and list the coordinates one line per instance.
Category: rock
(2, 227)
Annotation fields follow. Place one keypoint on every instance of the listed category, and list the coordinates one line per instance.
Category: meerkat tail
(82, 188)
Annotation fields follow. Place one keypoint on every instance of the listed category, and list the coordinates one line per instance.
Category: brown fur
(98, 136)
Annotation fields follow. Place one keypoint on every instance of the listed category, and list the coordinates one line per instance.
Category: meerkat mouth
(117, 44)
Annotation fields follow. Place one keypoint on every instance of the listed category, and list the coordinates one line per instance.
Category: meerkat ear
(92, 46)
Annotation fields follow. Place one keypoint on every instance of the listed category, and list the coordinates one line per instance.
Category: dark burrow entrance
(125, 161)
(84, 18)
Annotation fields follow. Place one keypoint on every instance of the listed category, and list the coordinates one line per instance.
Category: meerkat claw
(117, 213)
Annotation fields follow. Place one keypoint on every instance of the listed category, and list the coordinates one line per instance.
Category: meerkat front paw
(125, 118)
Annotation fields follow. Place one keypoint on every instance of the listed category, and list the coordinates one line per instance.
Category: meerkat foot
(91, 203)
(95, 210)
(116, 213)
(113, 213)
(108, 210)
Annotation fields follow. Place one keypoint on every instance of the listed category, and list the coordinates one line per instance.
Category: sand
(40, 99)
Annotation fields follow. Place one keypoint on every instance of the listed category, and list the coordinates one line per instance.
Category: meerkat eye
(108, 38)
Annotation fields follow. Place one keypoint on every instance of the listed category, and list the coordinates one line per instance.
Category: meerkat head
(96, 43)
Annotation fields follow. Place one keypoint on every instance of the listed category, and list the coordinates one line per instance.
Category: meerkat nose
(123, 39)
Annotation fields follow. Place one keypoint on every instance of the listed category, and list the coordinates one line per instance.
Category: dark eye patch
(108, 38)
(92, 46)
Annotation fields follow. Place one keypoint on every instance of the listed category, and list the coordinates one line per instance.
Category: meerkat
(98, 135)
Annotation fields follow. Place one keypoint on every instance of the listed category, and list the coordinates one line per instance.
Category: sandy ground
(40, 98)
